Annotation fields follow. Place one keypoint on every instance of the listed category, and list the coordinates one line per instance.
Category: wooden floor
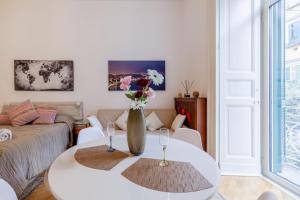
(248, 188)
(231, 187)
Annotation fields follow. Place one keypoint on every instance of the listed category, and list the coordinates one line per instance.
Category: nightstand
(78, 126)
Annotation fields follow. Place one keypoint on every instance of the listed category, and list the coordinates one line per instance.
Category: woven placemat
(98, 158)
(177, 177)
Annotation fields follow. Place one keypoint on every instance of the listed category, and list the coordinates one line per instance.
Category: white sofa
(111, 115)
(166, 116)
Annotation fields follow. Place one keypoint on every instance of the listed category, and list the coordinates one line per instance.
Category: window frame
(267, 106)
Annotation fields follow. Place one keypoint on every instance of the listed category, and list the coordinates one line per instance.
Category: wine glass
(110, 133)
(164, 141)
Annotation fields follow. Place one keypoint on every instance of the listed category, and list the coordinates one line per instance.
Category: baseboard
(240, 169)
(241, 174)
(293, 195)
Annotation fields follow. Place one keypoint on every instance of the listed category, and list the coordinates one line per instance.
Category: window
(285, 90)
(294, 33)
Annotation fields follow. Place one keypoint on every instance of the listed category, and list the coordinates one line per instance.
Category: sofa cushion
(153, 122)
(178, 122)
(122, 120)
(166, 116)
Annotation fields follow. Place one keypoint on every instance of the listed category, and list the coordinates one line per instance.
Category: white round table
(69, 180)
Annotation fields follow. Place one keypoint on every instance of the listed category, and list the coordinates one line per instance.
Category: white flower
(136, 105)
(156, 77)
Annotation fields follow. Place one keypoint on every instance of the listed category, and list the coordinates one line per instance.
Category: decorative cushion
(4, 119)
(47, 115)
(93, 120)
(178, 122)
(22, 114)
(122, 121)
(153, 122)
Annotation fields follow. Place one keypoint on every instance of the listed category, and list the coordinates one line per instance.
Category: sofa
(166, 116)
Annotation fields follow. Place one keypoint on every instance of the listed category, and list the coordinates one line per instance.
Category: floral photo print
(139, 72)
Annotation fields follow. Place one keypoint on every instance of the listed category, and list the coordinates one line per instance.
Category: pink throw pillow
(22, 114)
(47, 115)
(4, 119)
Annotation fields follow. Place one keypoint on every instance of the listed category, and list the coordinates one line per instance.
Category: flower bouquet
(144, 92)
(136, 125)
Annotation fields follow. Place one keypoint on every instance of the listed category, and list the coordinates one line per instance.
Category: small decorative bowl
(196, 94)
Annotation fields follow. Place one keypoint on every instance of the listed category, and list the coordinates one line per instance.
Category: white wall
(212, 105)
(91, 32)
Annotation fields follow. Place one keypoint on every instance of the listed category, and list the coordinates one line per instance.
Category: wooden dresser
(195, 111)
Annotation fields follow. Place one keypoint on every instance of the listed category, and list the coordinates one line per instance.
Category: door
(239, 89)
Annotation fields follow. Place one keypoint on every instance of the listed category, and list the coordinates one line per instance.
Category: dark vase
(136, 131)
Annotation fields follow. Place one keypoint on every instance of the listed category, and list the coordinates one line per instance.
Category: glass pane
(285, 89)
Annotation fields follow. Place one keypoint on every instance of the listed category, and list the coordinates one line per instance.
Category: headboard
(74, 109)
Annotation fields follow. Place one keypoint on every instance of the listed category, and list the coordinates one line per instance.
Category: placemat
(177, 177)
(98, 158)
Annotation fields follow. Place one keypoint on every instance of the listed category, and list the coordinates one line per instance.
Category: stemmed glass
(164, 141)
(110, 133)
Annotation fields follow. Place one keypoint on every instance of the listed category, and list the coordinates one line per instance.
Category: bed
(34, 147)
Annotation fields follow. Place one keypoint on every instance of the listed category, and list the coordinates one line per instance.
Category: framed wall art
(44, 75)
(118, 69)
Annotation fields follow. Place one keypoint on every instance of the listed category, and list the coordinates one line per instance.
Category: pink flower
(150, 93)
(125, 83)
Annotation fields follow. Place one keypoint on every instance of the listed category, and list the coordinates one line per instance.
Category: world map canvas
(44, 75)
(118, 69)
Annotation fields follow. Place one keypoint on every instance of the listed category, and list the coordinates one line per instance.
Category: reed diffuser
(187, 85)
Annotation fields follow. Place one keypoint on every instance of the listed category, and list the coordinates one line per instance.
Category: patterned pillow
(4, 119)
(47, 115)
(22, 114)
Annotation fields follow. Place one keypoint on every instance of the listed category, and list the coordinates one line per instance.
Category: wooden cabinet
(196, 117)
(78, 126)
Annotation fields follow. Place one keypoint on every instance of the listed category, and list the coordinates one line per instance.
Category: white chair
(267, 196)
(6, 191)
(89, 134)
(188, 135)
